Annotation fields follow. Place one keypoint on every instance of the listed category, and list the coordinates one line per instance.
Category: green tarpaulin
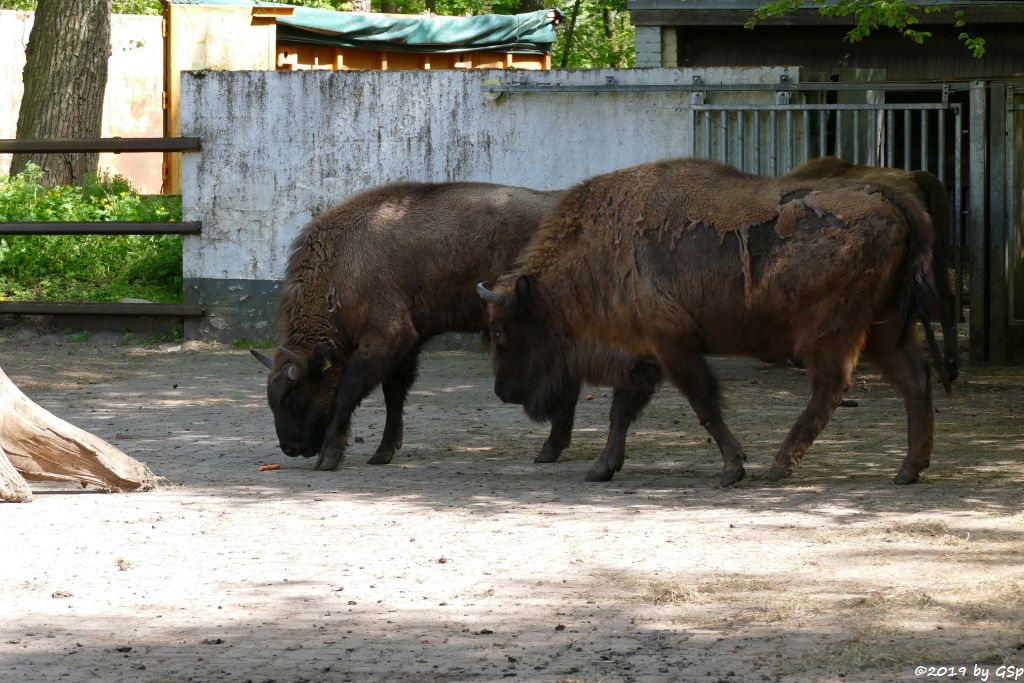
(530, 33)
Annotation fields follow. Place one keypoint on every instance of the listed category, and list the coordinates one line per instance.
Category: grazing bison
(679, 258)
(369, 282)
(932, 193)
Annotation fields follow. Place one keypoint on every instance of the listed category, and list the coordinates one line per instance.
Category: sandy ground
(463, 560)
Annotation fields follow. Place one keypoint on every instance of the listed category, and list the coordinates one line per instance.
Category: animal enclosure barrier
(116, 145)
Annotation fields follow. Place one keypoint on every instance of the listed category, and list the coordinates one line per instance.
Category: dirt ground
(465, 561)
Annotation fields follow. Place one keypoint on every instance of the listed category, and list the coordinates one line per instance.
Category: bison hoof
(732, 476)
(600, 471)
(904, 477)
(778, 474)
(382, 457)
(548, 453)
(328, 461)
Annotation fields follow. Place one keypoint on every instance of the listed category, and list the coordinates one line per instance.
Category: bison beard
(671, 260)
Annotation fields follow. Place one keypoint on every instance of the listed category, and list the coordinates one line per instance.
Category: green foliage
(870, 15)
(602, 37)
(246, 344)
(119, 6)
(87, 267)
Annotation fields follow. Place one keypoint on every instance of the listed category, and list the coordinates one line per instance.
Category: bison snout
(294, 452)
(504, 393)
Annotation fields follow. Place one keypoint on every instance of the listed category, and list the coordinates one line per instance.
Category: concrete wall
(132, 104)
(280, 147)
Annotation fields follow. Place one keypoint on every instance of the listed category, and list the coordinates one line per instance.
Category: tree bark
(41, 446)
(570, 32)
(65, 77)
(13, 487)
(361, 6)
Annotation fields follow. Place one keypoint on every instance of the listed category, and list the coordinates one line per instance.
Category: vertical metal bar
(741, 152)
(941, 161)
(805, 155)
(856, 136)
(822, 133)
(998, 238)
(890, 138)
(958, 210)
(755, 146)
(839, 135)
(977, 159)
(1012, 227)
(723, 136)
(906, 139)
(790, 141)
(707, 134)
(874, 135)
(690, 149)
(924, 139)
(773, 143)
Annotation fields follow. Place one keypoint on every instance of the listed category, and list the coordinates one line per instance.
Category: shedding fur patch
(789, 214)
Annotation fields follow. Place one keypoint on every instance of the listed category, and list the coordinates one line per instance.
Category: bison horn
(488, 295)
(299, 365)
(261, 358)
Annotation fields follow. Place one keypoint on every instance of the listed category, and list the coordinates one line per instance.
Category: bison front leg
(396, 388)
(365, 369)
(561, 426)
(627, 404)
(830, 379)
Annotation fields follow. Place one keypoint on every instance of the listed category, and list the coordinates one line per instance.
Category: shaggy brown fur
(368, 282)
(640, 260)
(932, 193)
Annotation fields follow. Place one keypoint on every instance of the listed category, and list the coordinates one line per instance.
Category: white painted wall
(280, 147)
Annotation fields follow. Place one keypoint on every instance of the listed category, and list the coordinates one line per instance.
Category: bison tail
(921, 294)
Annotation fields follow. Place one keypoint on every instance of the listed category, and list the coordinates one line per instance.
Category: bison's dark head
(300, 391)
(531, 352)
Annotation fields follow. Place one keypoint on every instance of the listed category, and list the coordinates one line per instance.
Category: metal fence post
(976, 233)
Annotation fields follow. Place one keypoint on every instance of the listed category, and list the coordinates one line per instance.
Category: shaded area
(464, 560)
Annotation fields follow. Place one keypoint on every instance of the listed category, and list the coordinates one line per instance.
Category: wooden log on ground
(13, 487)
(43, 447)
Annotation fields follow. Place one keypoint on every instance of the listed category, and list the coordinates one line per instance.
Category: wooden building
(702, 33)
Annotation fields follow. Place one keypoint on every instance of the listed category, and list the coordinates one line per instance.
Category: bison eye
(498, 336)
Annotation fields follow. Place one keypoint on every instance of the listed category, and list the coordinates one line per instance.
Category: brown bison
(932, 193)
(676, 259)
(369, 282)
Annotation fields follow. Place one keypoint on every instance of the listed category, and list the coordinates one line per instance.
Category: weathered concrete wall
(280, 147)
(132, 103)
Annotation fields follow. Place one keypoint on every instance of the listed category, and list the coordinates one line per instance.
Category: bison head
(300, 392)
(531, 353)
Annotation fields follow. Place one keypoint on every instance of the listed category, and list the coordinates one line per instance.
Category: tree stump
(42, 447)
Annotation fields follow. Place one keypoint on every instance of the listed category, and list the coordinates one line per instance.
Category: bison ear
(526, 290)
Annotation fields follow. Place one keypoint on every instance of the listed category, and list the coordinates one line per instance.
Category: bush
(87, 267)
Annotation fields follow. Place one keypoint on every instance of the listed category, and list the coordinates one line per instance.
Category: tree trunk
(13, 487)
(361, 6)
(41, 446)
(65, 76)
(569, 31)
